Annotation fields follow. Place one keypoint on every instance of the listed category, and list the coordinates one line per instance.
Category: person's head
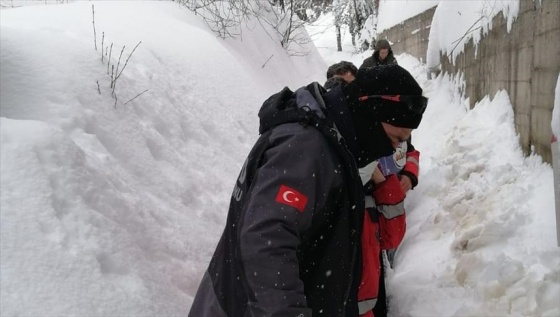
(343, 69)
(383, 48)
(388, 96)
(340, 73)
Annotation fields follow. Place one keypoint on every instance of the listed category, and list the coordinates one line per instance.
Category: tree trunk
(338, 39)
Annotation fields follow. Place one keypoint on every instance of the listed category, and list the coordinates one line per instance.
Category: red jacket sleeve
(389, 200)
(371, 266)
(412, 166)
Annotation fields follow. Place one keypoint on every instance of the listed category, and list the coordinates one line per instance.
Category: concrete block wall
(411, 36)
(525, 62)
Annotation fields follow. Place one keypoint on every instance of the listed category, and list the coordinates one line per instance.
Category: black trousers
(381, 307)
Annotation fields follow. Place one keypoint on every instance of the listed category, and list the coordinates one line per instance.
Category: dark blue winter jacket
(291, 246)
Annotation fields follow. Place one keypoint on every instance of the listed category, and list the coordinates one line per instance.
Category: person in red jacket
(387, 180)
(384, 226)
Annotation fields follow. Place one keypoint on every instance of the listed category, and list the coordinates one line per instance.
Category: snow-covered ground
(114, 209)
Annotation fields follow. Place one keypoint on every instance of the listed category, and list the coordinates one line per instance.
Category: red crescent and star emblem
(291, 197)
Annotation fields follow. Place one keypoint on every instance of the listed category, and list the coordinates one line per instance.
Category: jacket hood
(382, 44)
(287, 106)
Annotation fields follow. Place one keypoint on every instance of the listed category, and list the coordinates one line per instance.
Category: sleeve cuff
(413, 178)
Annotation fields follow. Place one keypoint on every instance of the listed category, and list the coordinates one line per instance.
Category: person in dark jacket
(382, 55)
(292, 241)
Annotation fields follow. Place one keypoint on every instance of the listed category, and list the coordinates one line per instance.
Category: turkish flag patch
(291, 197)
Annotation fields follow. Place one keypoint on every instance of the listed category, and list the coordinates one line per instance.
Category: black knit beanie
(389, 80)
(367, 115)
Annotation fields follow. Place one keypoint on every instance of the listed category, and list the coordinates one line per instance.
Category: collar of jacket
(337, 108)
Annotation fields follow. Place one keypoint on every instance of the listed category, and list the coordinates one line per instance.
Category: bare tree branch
(136, 96)
(94, 33)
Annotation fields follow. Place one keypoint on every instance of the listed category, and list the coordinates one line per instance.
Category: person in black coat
(292, 241)
(382, 55)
